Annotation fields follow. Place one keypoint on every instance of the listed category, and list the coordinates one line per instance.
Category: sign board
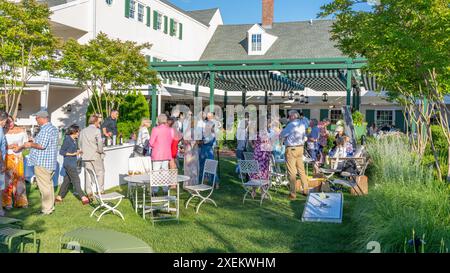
(323, 207)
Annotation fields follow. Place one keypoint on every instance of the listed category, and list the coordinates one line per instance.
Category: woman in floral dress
(15, 191)
(262, 151)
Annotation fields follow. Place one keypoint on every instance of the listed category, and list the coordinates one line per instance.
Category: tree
(406, 43)
(106, 67)
(26, 48)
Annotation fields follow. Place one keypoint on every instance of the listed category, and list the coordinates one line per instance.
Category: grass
(405, 198)
(232, 227)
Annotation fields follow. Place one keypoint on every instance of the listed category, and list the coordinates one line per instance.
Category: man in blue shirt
(294, 136)
(43, 157)
(3, 119)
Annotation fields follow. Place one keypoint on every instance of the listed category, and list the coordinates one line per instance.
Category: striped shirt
(48, 139)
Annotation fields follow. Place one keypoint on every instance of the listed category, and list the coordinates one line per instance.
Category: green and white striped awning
(319, 79)
(370, 82)
(237, 80)
(261, 80)
(201, 79)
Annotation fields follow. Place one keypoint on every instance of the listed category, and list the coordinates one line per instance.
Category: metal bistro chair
(146, 165)
(104, 199)
(196, 190)
(162, 178)
(278, 177)
(350, 181)
(249, 156)
(252, 167)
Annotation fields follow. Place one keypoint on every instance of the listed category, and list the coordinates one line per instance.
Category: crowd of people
(289, 140)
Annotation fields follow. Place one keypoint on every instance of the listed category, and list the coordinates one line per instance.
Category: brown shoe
(292, 197)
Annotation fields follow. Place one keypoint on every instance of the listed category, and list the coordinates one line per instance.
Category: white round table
(141, 181)
(145, 178)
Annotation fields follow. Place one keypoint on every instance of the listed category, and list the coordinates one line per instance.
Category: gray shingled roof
(296, 40)
(198, 15)
(204, 16)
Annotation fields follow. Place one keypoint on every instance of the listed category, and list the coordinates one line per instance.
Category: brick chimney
(267, 18)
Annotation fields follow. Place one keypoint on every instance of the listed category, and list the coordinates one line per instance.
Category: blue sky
(249, 11)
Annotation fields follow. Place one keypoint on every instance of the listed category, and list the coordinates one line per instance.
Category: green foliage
(128, 128)
(133, 107)
(404, 196)
(441, 146)
(26, 47)
(358, 118)
(403, 40)
(107, 67)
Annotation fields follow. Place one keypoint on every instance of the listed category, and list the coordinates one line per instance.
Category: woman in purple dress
(262, 152)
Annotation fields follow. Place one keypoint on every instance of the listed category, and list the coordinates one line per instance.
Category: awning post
(212, 77)
(349, 87)
(153, 90)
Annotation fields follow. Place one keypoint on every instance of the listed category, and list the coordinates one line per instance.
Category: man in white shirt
(294, 135)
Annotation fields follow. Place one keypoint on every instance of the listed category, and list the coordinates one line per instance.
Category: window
(158, 20)
(140, 13)
(174, 28)
(256, 42)
(384, 117)
(335, 116)
(132, 8)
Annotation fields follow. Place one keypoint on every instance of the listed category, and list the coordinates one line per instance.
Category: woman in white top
(15, 191)
(143, 135)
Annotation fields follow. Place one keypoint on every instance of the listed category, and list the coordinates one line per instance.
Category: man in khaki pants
(294, 138)
(43, 157)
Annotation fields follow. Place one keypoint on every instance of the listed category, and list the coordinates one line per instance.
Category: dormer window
(256, 42)
(259, 41)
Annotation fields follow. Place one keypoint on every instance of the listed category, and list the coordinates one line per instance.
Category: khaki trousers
(45, 184)
(295, 165)
(99, 169)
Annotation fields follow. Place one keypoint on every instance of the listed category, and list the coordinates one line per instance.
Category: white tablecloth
(116, 167)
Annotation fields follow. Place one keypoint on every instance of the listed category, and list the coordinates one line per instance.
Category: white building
(179, 35)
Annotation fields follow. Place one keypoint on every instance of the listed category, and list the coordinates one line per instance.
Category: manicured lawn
(232, 227)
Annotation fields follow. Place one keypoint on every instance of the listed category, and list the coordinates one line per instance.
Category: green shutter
(400, 120)
(155, 20)
(181, 31)
(172, 27)
(127, 8)
(324, 114)
(306, 113)
(148, 16)
(166, 29)
(370, 117)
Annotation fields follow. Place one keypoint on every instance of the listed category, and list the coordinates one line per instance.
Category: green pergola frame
(214, 67)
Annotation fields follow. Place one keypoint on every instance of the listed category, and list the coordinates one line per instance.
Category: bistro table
(141, 182)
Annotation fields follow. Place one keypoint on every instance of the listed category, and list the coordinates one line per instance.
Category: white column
(44, 97)
(159, 101)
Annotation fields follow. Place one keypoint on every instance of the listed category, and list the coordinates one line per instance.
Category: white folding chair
(164, 178)
(248, 167)
(104, 199)
(196, 190)
(249, 156)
